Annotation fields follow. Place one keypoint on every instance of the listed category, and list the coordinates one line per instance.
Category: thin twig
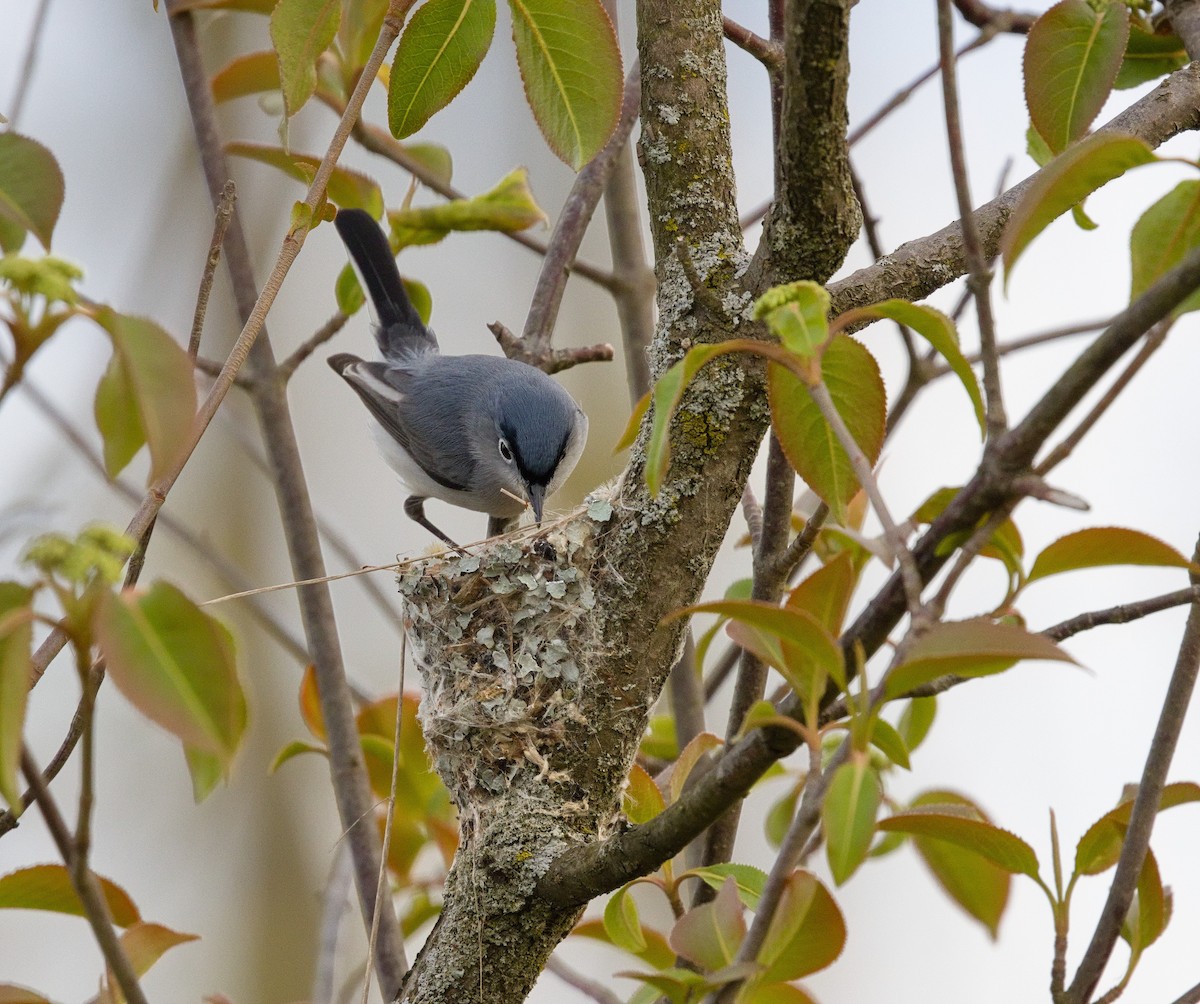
(326, 331)
(380, 142)
(28, 62)
(685, 695)
(86, 887)
(979, 275)
(551, 360)
(573, 220)
(801, 545)
(866, 478)
(594, 989)
(1121, 614)
(983, 16)
(1145, 808)
(766, 51)
(220, 226)
(753, 514)
(1189, 996)
(1153, 342)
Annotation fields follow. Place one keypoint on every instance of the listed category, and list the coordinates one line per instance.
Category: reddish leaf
(852, 376)
(251, 73)
(145, 944)
(147, 395)
(657, 952)
(175, 664)
(48, 887)
(975, 883)
(310, 703)
(826, 593)
(689, 756)
(977, 647)
(12, 994)
(1109, 545)
(949, 822)
(772, 993)
(709, 935)
(807, 932)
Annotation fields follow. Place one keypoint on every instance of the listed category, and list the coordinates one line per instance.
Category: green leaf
(1161, 238)
(656, 953)
(48, 887)
(206, 772)
(1149, 55)
(807, 932)
(16, 642)
(1099, 848)
(175, 664)
(660, 740)
(252, 73)
(145, 944)
(361, 21)
(755, 992)
(976, 647)
(797, 314)
(709, 934)
(1072, 56)
(804, 640)
(508, 207)
(621, 921)
(689, 756)
(1149, 912)
(848, 813)
(292, 750)
(571, 67)
(890, 743)
(939, 331)
(1107, 545)
(301, 30)
(439, 52)
(956, 825)
(916, 720)
(347, 189)
(434, 157)
(780, 815)
(852, 376)
(31, 188)
(826, 593)
(749, 880)
(1065, 181)
(975, 883)
(642, 799)
(680, 986)
(147, 395)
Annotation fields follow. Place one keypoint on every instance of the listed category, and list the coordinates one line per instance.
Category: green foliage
(571, 67)
(692, 754)
(621, 922)
(807, 932)
(301, 30)
(507, 207)
(175, 664)
(1072, 56)
(709, 934)
(1162, 237)
(957, 823)
(852, 377)
(347, 189)
(48, 887)
(848, 814)
(439, 52)
(147, 395)
(749, 880)
(252, 73)
(976, 647)
(16, 641)
(797, 314)
(973, 881)
(642, 800)
(98, 552)
(1148, 54)
(1066, 181)
(1099, 848)
(31, 191)
(1101, 546)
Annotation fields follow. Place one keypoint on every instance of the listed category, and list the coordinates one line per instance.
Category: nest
(498, 639)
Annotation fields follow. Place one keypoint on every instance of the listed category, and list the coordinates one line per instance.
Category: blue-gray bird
(482, 432)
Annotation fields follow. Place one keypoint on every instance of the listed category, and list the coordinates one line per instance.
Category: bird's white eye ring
(506, 451)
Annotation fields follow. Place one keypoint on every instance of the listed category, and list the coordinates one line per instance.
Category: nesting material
(498, 639)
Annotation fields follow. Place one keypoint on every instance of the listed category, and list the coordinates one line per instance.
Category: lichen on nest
(497, 638)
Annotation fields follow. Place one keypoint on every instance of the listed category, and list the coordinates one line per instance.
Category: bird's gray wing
(388, 393)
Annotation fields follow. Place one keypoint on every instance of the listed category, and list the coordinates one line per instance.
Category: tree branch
(1145, 808)
(981, 15)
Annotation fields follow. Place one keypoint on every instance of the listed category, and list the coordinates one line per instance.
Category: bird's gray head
(538, 433)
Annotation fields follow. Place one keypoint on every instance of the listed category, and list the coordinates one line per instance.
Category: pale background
(245, 870)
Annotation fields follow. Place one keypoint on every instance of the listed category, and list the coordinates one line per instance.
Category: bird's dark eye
(506, 451)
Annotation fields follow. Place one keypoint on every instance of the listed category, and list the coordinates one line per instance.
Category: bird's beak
(537, 498)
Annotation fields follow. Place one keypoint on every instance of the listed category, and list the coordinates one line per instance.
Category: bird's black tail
(401, 331)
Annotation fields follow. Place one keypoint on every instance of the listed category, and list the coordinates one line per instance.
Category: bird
(485, 433)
